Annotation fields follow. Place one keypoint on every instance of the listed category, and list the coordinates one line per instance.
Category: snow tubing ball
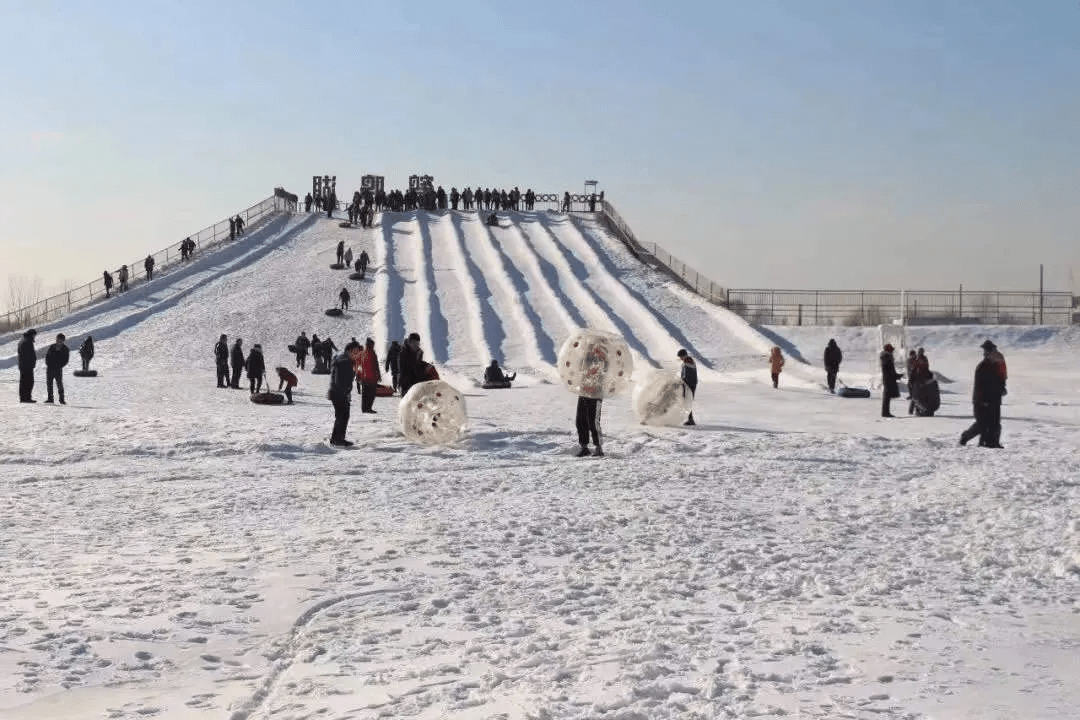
(595, 364)
(337, 266)
(356, 276)
(85, 373)
(433, 413)
(334, 312)
(662, 398)
(268, 398)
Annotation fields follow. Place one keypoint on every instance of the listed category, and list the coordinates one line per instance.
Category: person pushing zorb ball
(595, 364)
(662, 398)
(433, 413)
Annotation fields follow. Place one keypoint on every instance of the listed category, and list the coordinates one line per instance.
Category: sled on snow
(334, 312)
(268, 398)
(85, 373)
(854, 392)
(927, 397)
(337, 266)
(356, 276)
(503, 385)
(384, 391)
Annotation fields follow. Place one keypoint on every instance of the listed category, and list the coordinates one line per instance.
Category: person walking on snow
(889, 386)
(301, 344)
(56, 358)
(347, 258)
(688, 373)
(148, 265)
(989, 388)
(340, 393)
(236, 359)
(340, 252)
(86, 352)
(107, 279)
(27, 361)
(221, 359)
(776, 364)
(367, 376)
(833, 358)
(392, 356)
(344, 297)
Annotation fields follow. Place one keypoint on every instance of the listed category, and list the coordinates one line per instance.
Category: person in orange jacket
(288, 381)
(367, 375)
(776, 364)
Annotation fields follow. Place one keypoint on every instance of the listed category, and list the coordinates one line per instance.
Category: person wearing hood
(236, 359)
(56, 359)
(86, 352)
(392, 356)
(989, 388)
(776, 364)
(411, 363)
(221, 359)
(833, 358)
(27, 361)
(341, 384)
(256, 368)
(368, 375)
(889, 387)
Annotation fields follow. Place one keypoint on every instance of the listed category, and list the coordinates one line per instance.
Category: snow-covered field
(172, 550)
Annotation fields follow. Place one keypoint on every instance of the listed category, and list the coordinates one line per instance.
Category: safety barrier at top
(52, 308)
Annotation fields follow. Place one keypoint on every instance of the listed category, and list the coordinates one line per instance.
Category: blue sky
(773, 143)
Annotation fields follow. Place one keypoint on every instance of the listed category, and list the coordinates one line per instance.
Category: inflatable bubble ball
(433, 413)
(662, 398)
(595, 364)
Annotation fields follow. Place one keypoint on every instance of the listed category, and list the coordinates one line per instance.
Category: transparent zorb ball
(595, 364)
(662, 398)
(433, 412)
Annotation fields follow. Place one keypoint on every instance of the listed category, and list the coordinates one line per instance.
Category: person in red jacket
(288, 381)
(367, 375)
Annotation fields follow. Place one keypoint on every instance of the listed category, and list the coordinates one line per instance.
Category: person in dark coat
(236, 358)
(56, 358)
(107, 279)
(918, 373)
(86, 352)
(833, 358)
(889, 377)
(239, 225)
(986, 397)
(587, 421)
(344, 297)
(232, 228)
(287, 381)
(363, 260)
(123, 277)
(340, 393)
(27, 361)
(256, 368)
(341, 252)
(302, 345)
(148, 265)
(221, 359)
(392, 356)
(688, 373)
(411, 365)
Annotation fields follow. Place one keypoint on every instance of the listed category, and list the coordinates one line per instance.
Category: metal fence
(50, 309)
(653, 254)
(916, 307)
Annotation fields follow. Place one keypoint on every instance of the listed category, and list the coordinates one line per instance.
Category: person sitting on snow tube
(495, 377)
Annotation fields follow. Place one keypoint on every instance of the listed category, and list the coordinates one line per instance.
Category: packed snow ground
(172, 550)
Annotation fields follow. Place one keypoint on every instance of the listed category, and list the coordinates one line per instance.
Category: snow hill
(172, 550)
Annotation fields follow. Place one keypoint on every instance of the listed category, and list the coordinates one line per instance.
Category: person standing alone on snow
(688, 373)
(833, 358)
(341, 385)
(889, 377)
(221, 359)
(776, 364)
(990, 377)
(86, 352)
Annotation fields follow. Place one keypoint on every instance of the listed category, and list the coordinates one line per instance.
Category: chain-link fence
(51, 308)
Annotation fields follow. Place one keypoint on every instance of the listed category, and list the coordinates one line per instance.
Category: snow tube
(85, 373)
(357, 276)
(496, 386)
(384, 391)
(268, 398)
(334, 312)
(852, 392)
(292, 348)
(344, 224)
(337, 266)
(430, 373)
(927, 397)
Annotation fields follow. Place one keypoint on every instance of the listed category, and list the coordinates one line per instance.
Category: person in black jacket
(302, 344)
(56, 358)
(833, 358)
(107, 279)
(391, 366)
(221, 358)
(688, 373)
(344, 297)
(411, 365)
(340, 252)
(889, 377)
(27, 361)
(256, 368)
(86, 352)
(986, 399)
(236, 359)
(342, 377)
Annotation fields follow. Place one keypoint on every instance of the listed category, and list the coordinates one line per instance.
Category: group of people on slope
(253, 364)
(56, 359)
(187, 249)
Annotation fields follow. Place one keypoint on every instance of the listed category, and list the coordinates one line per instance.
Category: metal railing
(646, 252)
(52, 308)
(916, 307)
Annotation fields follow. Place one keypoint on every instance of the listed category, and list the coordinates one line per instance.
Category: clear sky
(773, 143)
